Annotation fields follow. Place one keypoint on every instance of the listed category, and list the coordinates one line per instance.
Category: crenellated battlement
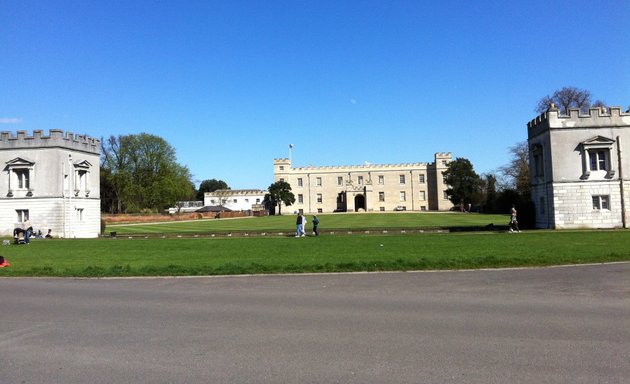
(594, 118)
(55, 138)
(362, 167)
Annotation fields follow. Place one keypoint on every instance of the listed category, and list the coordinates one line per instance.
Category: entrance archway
(359, 203)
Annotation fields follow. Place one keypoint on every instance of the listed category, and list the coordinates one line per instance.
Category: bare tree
(516, 173)
(565, 98)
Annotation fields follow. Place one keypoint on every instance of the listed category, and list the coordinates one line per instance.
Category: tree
(143, 173)
(489, 182)
(463, 181)
(210, 186)
(516, 173)
(279, 192)
(565, 98)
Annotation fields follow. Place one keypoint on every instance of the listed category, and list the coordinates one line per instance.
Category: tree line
(140, 173)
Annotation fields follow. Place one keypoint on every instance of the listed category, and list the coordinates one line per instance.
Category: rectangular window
(22, 214)
(601, 202)
(81, 180)
(382, 209)
(258, 201)
(80, 214)
(339, 180)
(381, 196)
(22, 178)
(381, 179)
(445, 196)
(402, 179)
(538, 164)
(282, 167)
(422, 196)
(360, 180)
(423, 208)
(234, 201)
(318, 181)
(299, 181)
(319, 198)
(403, 196)
(300, 198)
(282, 179)
(319, 210)
(444, 163)
(598, 160)
(421, 179)
(444, 179)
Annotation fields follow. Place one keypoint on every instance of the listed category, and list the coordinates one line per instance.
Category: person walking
(298, 225)
(513, 221)
(28, 230)
(303, 225)
(315, 224)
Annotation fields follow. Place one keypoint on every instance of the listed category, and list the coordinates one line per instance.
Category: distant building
(185, 207)
(368, 187)
(579, 166)
(52, 180)
(235, 199)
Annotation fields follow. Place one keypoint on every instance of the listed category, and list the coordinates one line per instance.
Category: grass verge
(256, 255)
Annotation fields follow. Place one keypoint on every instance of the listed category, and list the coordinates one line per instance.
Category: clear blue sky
(229, 84)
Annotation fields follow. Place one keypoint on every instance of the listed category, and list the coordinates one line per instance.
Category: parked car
(400, 208)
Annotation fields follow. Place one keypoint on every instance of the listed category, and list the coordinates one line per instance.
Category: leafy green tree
(143, 173)
(464, 183)
(210, 186)
(279, 192)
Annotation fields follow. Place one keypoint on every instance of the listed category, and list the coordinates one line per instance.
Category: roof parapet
(55, 138)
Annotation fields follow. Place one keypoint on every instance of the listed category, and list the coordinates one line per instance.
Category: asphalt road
(551, 325)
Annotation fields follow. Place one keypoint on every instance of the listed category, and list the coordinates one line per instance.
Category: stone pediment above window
(83, 164)
(598, 141)
(19, 162)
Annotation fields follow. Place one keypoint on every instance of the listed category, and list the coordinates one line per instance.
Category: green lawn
(328, 253)
(362, 221)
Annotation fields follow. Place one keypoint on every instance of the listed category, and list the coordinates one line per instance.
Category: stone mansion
(389, 187)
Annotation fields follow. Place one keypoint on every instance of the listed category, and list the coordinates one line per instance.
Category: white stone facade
(234, 199)
(53, 180)
(369, 187)
(579, 168)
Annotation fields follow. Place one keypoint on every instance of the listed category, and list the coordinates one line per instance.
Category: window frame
(601, 202)
(597, 159)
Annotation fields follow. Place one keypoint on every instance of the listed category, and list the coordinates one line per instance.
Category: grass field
(328, 253)
(328, 222)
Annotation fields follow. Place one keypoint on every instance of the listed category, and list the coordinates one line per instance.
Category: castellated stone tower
(53, 181)
(579, 168)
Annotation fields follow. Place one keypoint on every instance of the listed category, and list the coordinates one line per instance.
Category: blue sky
(229, 84)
